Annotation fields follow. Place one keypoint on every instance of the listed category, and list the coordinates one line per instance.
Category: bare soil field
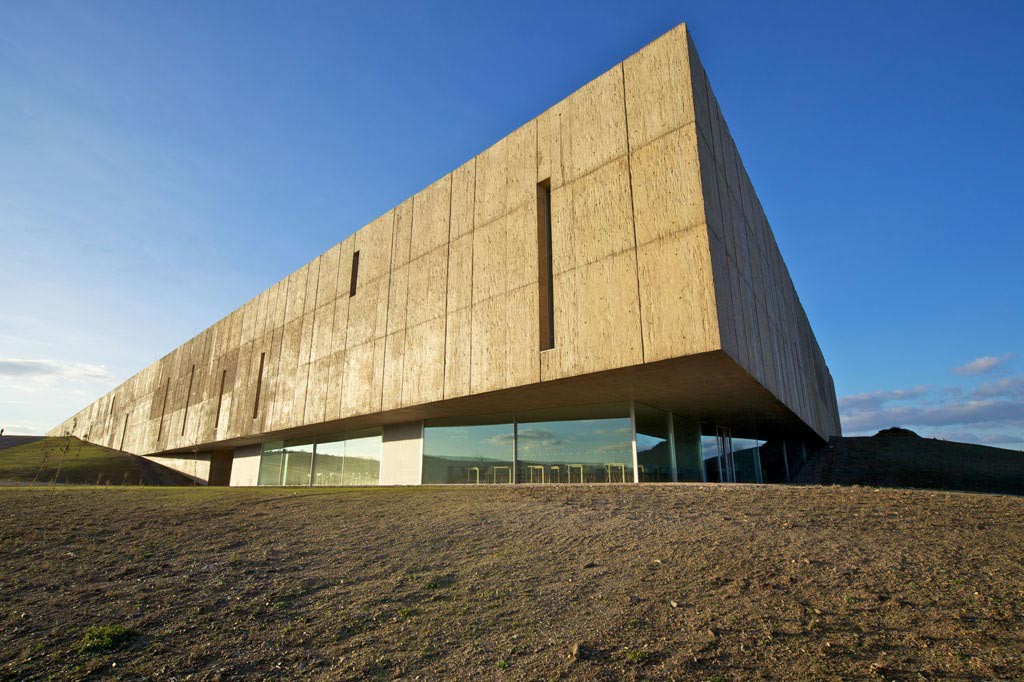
(704, 582)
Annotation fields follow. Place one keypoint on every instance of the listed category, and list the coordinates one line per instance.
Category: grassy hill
(689, 581)
(900, 458)
(70, 460)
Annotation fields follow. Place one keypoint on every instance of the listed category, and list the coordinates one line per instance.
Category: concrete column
(245, 468)
(401, 457)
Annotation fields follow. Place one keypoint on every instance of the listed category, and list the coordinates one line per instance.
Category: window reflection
(729, 459)
(348, 459)
(591, 444)
(271, 461)
(298, 461)
(653, 448)
(477, 450)
(746, 454)
(341, 459)
(689, 461)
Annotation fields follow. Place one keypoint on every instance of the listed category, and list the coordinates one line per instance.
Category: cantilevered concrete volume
(597, 297)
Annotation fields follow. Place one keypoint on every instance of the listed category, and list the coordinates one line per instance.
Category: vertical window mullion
(515, 449)
(632, 426)
(670, 420)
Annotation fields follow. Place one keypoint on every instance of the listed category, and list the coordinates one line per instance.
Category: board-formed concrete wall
(762, 322)
(647, 203)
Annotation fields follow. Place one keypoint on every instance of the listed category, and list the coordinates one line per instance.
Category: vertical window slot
(188, 399)
(220, 398)
(545, 276)
(163, 410)
(259, 386)
(355, 275)
(124, 431)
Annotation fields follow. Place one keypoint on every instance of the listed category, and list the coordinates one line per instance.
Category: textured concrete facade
(668, 286)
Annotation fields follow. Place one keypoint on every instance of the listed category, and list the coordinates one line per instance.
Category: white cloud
(1003, 412)
(993, 412)
(1007, 387)
(50, 371)
(982, 365)
(35, 395)
(980, 438)
(875, 399)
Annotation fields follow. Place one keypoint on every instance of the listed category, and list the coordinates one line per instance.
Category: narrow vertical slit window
(124, 431)
(259, 386)
(188, 399)
(220, 398)
(112, 401)
(355, 275)
(163, 409)
(545, 276)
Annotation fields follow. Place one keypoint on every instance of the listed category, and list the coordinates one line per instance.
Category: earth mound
(68, 460)
(899, 458)
(896, 432)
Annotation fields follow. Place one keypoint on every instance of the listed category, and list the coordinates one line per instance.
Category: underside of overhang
(708, 387)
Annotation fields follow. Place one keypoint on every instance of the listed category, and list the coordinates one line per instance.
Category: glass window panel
(747, 456)
(476, 450)
(329, 464)
(653, 450)
(689, 462)
(794, 456)
(362, 460)
(298, 461)
(589, 444)
(348, 459)
(710, 445)
(774, 467)
(271, 460)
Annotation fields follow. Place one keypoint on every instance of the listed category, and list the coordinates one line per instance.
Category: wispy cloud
(1008, 387)
(993, 412)
(31, 390)
(1003, 412)
(875, 399)
(52, 371)
(982, 365)
(982, 438)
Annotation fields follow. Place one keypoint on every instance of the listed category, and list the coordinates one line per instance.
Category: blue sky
(161, 163)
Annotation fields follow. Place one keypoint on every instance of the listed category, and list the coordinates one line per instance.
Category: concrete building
(596, 297)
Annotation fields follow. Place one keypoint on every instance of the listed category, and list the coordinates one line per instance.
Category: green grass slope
(898, 458)
(70, 460)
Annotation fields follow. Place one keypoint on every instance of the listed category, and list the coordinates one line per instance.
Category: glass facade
(271, 461)
(655, 455)
(480, 450)
(729, 459)
(609, 443)
(689, 461)
(298, 462)
(746, 454)
(340, 459)
(348, 459)
(589, 444)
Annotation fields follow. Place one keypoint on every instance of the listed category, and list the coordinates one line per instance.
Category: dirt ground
(705, 582)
